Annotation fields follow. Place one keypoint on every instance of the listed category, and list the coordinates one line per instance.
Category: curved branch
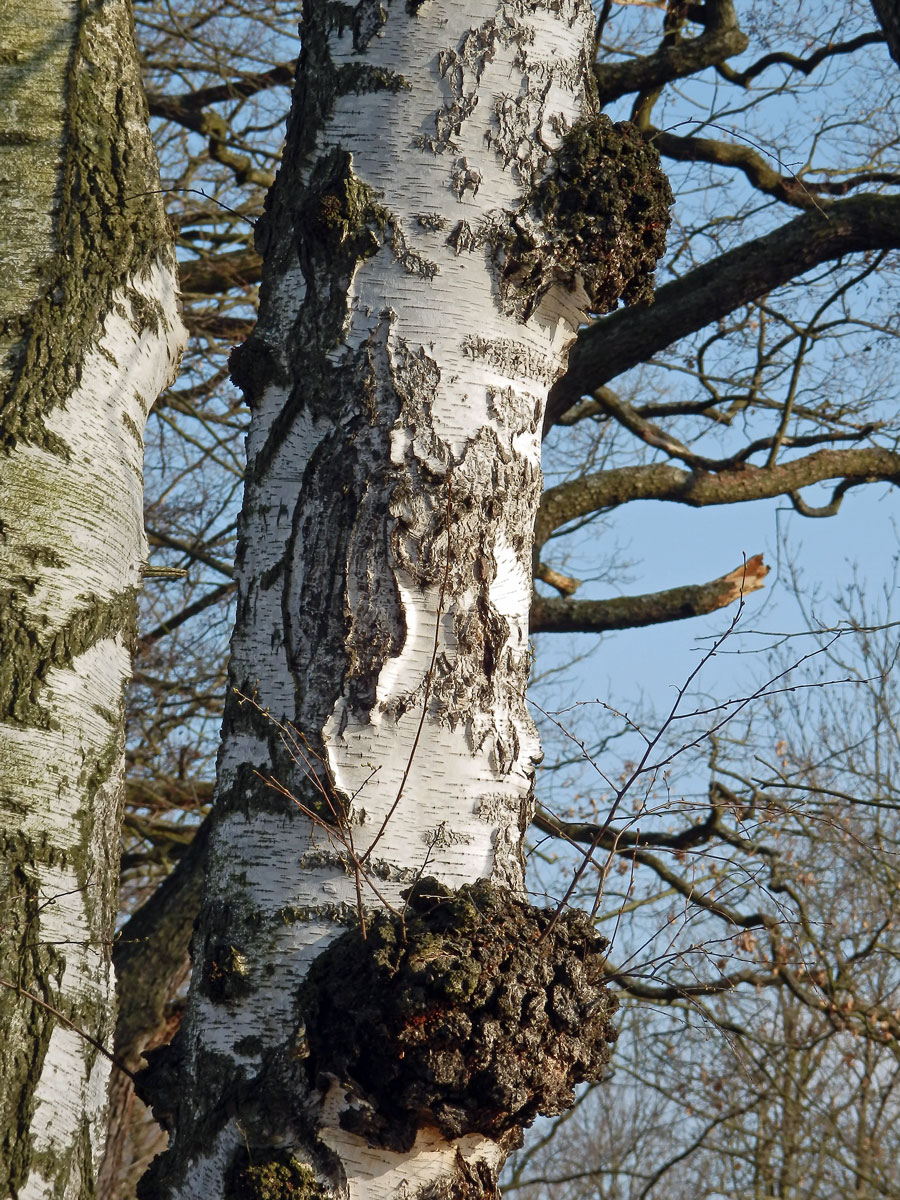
(787, 188)
(622, 840)
(220, 272)
(795, 62)
(666, 993)
(663, 481)
(822, 510)
(633, 846)
(631, 335)
(655, 608)
(215, 128)
(605, 400)
(722, 38)
(688, 889)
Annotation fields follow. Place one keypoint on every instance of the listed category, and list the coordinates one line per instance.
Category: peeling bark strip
(89, 336)
(431, 245)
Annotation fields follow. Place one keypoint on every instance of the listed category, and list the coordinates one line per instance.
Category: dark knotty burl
(472, 1011)
(225, 974)
(602, 214)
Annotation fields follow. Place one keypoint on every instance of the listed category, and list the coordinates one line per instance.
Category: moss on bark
(271, 1177)
(27, 655)
(107, 228)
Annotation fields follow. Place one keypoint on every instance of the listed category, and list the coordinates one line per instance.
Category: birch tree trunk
(449, 207)
(89, 336)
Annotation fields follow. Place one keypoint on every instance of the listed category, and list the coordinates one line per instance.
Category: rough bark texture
(89, 335)
(420, 293)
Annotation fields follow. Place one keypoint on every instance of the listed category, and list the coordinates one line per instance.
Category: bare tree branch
(795, 61)
(630, 612)
(180, 108)
(632, 335)
(721, 38)
(663, 481)
(220, 272)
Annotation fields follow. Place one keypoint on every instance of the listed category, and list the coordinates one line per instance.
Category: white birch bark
(397, 380)
(89, 336)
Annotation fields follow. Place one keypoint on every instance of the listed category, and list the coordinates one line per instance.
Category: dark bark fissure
(331, 223)
(152, 963)
(341, 523)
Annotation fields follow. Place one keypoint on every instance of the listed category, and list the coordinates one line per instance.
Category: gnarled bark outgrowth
(472, 1011)
(89, 336)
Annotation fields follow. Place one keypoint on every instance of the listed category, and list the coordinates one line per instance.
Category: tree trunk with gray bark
(89, 336)
(376, 1011)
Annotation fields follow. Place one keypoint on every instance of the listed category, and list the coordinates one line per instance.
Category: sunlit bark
(89, 336)
(415, 311)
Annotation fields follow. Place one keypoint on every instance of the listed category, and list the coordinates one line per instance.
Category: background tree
(89, 336)
(785, 1085)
